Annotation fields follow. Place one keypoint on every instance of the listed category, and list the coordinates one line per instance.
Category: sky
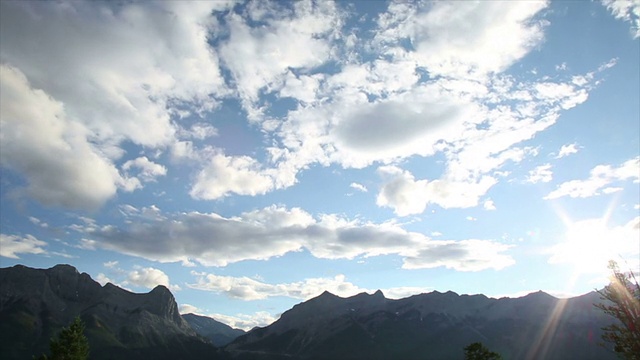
(251, 155)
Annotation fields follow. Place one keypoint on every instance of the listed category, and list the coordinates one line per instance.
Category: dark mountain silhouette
(218, 333)
(430, 326)
(36, 303)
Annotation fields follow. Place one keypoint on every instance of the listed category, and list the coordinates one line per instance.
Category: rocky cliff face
(36, 303)
(430, 326)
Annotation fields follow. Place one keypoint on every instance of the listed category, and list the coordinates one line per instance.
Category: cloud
(540, 173)
(150, 278)
(148, 170)
(249, 289)
(459, 38)
(79, 79)
(110, 264)
(222, 175)
(464, 255)
(489, 205)
(600, 177)
(150, 97)
(567, 150)
(245, 322)
(61, 167)
(214, 240)
(261, 58)
(626, 10)
(12, 245)
(189, 309)
(409, 196)
(358, 187)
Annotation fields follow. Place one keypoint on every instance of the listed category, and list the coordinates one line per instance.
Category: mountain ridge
(36, 303)
(433, 325)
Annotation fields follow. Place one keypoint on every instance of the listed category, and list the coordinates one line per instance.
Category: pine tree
(71, 344)
(622, 297)
(477, 351)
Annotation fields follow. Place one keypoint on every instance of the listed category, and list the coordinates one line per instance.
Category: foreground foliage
(477, 351)
(71, 344)
(622, 297)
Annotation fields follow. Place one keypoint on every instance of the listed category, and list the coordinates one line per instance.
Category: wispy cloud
(540, 173)
(12, 245)
(626, 10)
(567, 150)
(358, 187)
(600, 177)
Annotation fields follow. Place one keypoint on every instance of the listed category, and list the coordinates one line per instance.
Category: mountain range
(36, 303)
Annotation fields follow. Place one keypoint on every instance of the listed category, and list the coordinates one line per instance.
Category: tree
(622, 301)
(71, 344)
(477, 351)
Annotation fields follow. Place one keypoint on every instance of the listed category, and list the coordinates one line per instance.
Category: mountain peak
(378, 294)
(327, 294)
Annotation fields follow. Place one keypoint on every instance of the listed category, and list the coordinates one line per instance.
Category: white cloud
(12, 245)
(149, 170)
(245, 322)
(110, 264)
(464, 255)
(189, 309)
(103, 279)
(249, 289)
(600, 177)
(611, 190)
(567, 150)
(79, 79)
(261, 58)
(150, 278)
(61, 166)
(627, 10)
(213, 240)
(358, 187)
(222, 175)
(409, 196)
(463, 38)
(489, 205)
(540, 173)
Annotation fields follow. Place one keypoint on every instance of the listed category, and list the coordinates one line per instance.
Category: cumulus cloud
(261, 58)
(567, 150)
(245, 322)
(358, 187)
(626, 10)
(489, 205)
(600, 177)
(61, 166)
(222, 175)
(409, 196)
(149, 278)
(12, 245)
(214, 240)
(459, 38)
(366, 112)
(250, 289)
(79, 79)
(148, 170)
(540, 173)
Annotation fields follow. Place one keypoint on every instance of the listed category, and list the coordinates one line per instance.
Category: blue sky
(250, 155)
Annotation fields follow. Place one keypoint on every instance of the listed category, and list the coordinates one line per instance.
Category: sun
(589, 245)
